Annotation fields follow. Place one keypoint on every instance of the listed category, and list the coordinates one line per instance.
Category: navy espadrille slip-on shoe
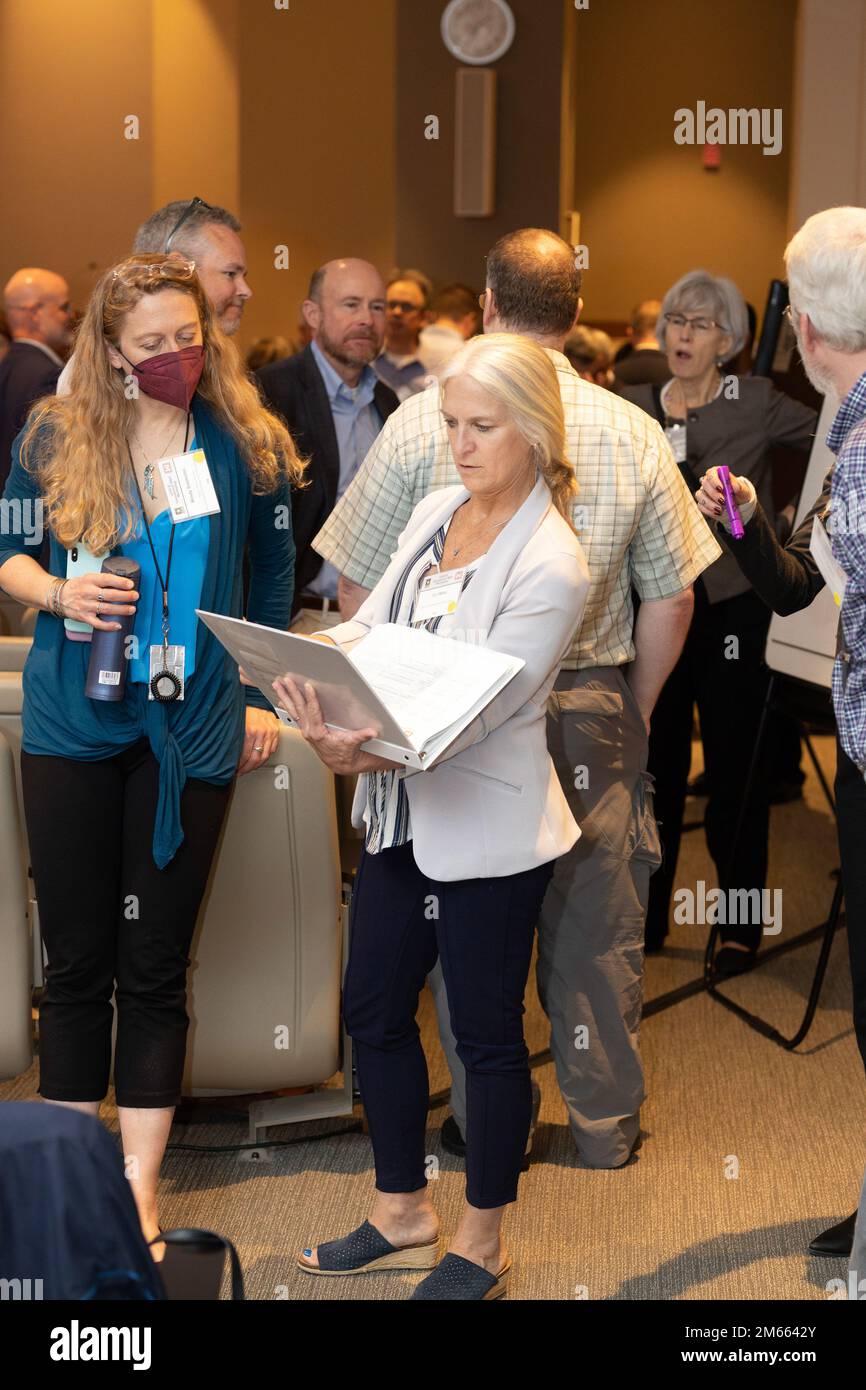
(366, 1249)
(457, 1278)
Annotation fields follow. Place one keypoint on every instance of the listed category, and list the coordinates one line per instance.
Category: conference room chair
(269, 948)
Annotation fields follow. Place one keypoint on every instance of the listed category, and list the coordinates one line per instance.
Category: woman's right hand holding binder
(339, 749)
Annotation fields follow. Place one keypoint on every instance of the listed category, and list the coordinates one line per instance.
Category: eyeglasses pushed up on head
(187, 212)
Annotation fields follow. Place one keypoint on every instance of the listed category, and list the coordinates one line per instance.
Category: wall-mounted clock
(478, 31)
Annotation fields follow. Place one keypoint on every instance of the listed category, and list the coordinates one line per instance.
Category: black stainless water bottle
(106, 674)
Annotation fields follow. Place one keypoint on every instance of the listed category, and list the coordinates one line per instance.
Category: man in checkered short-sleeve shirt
(639, 526)
(826, 265)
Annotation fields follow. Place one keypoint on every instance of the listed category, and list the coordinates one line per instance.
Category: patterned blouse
(387, 812)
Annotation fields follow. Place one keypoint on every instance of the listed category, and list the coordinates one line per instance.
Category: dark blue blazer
(26, 373)
(294, 390)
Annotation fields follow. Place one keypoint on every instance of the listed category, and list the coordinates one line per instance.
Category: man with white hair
(826, 263)
(39, 314)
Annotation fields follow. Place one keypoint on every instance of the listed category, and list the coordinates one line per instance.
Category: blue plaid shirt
(847, 440)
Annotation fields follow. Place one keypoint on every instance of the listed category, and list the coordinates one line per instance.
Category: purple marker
(730, 505)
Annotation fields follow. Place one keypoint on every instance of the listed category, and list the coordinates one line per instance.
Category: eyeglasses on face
(698, 325)
(187, 212)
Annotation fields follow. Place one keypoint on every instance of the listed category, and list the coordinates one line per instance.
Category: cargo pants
(591, 929)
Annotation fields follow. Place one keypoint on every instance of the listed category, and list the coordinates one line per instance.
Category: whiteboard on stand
(803, 645)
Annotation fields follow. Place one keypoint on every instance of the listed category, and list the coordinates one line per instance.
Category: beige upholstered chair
(14, 830)
(15, 620)
(14, 652)
(268, 952)
(15, 955)
(269, 947)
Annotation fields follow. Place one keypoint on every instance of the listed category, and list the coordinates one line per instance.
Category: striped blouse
(387, 812)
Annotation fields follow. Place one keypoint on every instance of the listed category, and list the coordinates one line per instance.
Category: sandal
(366, 1249)
(458, 1278)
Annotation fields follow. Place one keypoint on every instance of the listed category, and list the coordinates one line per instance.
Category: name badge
(188, 486)
(677, 439)
(438, 595)
(830, 568)
(175, 661)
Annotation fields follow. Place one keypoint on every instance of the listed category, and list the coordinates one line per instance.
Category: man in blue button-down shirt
(357, 423)
(335, 406)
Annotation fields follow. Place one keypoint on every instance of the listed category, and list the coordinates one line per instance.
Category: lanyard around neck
(163, 583)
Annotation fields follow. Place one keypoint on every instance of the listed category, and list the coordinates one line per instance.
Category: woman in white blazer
(457, 858)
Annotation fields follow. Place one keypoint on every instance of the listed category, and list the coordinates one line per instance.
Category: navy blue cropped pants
(483, 929)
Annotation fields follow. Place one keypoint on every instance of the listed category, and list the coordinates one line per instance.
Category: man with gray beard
(335, 406)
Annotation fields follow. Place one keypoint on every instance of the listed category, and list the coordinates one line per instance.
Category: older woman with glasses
(127, 770)
(712, 418)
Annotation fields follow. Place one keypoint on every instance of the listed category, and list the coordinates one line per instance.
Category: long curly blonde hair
(76, 444)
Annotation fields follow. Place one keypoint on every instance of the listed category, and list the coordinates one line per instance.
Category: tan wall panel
(74, 188)
(196, 89)
(649, 210)
(829, 159)
(317, 145)
(528, 102)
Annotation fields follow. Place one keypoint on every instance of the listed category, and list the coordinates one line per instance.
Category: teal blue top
(188, 564)
(202, 735)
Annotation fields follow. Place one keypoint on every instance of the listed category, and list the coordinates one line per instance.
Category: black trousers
(482, 930)
(110, 918)
(851, 818)
(729, 692)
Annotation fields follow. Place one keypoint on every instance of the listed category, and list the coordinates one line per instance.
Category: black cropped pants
(113, 923)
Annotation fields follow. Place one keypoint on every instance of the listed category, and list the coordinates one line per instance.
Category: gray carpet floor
(748, 1150)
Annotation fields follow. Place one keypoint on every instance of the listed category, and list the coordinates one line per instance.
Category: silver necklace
(457, 549)
(150, 464)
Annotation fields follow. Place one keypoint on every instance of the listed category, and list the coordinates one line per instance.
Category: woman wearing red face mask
(125, 797)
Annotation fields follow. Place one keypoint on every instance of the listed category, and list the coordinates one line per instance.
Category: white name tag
(830, 568)
(438, 595)
(677, 439)
(188, 486)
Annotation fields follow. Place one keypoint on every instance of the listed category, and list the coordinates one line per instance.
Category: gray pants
(590, 936)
